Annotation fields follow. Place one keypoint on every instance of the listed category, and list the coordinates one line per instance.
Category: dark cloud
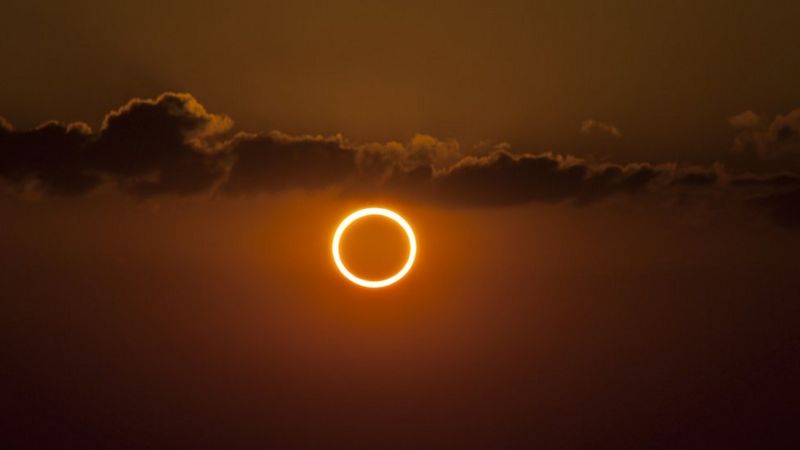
(54, 154)
(698, 178)
(147, 147)
(277, 161)
(502, 178)
(609, 179)
(172, 145)
(777, 180)
(161, 146)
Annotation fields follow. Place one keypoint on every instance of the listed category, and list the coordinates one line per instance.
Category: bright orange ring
(383, 212)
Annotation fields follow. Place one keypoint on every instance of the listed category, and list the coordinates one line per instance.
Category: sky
(605, 196)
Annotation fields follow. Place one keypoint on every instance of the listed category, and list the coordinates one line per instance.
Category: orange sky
(668, 73)
(605, 197)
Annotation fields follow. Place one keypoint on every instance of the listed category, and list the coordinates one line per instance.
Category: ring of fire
(383, 212)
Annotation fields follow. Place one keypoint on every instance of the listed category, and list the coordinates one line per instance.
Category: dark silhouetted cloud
(146, 147)
(699, 177)
(277, 161)
(777, 180)
(502, 178)
(172, 145)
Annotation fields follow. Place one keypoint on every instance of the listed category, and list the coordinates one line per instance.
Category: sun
(360, 214)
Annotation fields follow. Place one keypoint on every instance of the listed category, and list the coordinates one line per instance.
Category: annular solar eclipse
(360, 214)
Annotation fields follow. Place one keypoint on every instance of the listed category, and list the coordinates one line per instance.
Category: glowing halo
(360, 214)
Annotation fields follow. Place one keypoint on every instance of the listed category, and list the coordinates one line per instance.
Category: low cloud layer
(146, 147)
(172, 145)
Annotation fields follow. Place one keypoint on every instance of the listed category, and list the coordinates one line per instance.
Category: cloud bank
(172, 146)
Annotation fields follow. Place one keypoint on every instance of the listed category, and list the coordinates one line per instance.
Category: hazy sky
(667, 73)
(606, 199)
